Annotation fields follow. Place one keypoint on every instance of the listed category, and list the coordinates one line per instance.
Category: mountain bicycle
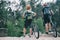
(35, 29)
(54, 27)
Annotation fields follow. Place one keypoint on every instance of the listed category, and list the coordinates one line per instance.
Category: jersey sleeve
(32, 12)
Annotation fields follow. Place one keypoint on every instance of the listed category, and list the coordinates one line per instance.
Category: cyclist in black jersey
(47, 13)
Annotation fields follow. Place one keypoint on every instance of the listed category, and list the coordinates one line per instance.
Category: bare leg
(30, 31)
(24, 31)
(46, 25)
(49, 27)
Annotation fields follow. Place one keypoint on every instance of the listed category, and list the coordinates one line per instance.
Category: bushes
(17, 28)
(40, 24)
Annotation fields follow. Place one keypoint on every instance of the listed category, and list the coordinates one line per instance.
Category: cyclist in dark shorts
(47, 12)
(28, 15)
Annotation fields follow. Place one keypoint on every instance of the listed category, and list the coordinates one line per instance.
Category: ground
(42, 37)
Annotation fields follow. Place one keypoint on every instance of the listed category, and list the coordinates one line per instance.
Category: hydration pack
(28, 15)
(46, 10)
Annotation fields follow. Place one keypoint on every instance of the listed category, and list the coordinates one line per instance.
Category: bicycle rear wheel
(54, 29)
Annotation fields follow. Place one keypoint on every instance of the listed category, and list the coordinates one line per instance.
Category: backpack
(28, 15)
(46, 10)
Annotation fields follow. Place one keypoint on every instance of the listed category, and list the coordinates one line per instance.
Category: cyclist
(47, 13)
(28, 15)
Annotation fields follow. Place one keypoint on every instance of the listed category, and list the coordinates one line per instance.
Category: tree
(2, 14)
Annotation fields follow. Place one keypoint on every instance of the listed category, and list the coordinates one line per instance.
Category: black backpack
(46, 10)
(28, 15)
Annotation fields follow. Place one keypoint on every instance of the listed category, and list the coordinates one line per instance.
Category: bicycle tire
(54, 30)
(36, 31)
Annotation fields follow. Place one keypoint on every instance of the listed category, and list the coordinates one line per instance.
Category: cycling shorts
(28, 23)
(46, 18)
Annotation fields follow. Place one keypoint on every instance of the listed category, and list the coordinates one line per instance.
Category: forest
(12, 23)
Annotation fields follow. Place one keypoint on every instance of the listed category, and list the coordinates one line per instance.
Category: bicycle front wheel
(36, 31)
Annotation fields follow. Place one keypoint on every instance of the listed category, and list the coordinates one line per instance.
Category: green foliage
(15, 25)
(40, 24)
(15, 30)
